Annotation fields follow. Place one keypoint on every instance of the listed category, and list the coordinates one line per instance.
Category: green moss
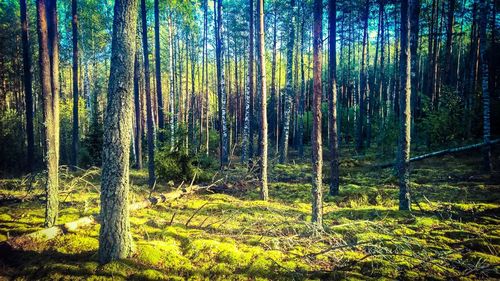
(163, 254)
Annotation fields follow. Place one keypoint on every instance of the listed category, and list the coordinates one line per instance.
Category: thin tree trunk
(264, 193)
(138, 110)
(332, 99)
(75, 140)
(484, 85)
(149, 108)
(28, 92)
(159, 94)
(405, 108)
(288, 87)
(317, 151)
(247, 131)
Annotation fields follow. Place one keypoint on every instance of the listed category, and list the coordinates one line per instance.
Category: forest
(249, 140)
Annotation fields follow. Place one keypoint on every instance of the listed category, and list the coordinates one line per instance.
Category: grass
(453, 232)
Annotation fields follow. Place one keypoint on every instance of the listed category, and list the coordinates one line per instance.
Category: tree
(332, 99)
(149, 107)
(138, 110)
(289, 87)
(159, 95)
(75, 140)
(264, 193)
(46, 15)
(247, 145)
(317, 150)
(484, 86)
(221, 88)
(28, 92)
(405, 108)
(115, 239)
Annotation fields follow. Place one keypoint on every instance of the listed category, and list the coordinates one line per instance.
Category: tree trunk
(317, 151)
(247, 131)
(75, 140)
(149, 107)
(159, 95)
(405, 109)
(289, 87)
(28, 92)
(484, 85)
(363, 79)
(49, 114)
(115, 239)
(264, 193)
(224, 143)
(138, 110)
(332, 99)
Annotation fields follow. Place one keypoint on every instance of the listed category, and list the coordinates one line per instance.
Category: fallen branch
(442, 152)
(50, 233)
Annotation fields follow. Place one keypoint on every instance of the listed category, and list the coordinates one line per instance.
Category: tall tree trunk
(149, 108)
(272, 107)
(159, 94)
(171, 84)
(449, 42)
(49, 115)
(264, 193)
(317, 151)
(484, 85)
(115, 239)
(28, 92)
(289, 86)
(247, 147)
(74, 25)
(332, 99)
(363, 79)
(405, 108)
(414, 30)
(221, 89)
(138, 110)
(302, 91)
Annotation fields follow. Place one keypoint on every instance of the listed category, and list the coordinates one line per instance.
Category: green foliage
(12, 147)
(91, 146)
(174, 165)
(443, 125)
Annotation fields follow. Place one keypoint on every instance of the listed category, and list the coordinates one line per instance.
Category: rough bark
(405, 109)
(115, 239)
(332, 99)
(49, 115)
(149, 107)
(317, 151)
(264, 193)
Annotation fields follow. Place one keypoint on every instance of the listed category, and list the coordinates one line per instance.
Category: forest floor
(453, 233)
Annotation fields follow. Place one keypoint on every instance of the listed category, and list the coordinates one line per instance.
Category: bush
(12, 147)
(174, 165)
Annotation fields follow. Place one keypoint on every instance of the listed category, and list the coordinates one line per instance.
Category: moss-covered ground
(453, 231)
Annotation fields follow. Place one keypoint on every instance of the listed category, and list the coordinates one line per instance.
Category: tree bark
(405, 108)
(332, 99)
(317, 151)
(138, 110)
(159, 94)
(224, 143)
(28, 92)
(49, 101)
(264, 193)
(247, 145)
(484, 86)
(75, 140)
(115, 239)
(149, 107)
